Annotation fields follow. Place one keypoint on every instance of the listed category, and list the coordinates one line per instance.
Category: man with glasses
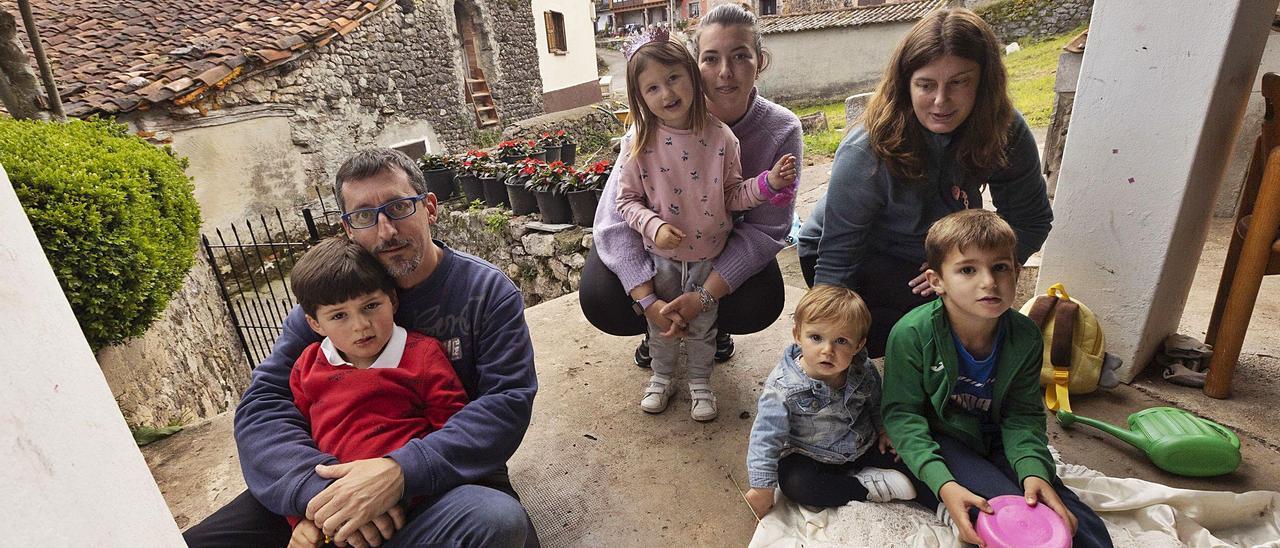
(459, 471)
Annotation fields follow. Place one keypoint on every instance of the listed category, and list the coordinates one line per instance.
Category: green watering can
(1175, 440)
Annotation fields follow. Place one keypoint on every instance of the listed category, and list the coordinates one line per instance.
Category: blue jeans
(991, 476)
(468, 515)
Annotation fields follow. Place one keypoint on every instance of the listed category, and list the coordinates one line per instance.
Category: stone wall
(790, 7)
(396, 77)
(1015, 20)
(544, 265)
(188, 365)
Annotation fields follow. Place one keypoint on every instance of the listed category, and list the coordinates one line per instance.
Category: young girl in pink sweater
(677, 189)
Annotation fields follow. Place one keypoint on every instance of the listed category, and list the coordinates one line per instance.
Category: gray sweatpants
(671, 279)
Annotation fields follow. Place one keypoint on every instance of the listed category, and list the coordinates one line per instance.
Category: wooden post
(37, 49)
(1254, 254)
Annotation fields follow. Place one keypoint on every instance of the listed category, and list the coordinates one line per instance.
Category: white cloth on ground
(1138, 513)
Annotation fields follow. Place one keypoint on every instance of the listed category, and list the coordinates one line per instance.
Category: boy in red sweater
(370, 386)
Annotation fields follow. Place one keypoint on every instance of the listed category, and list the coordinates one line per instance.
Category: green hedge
(115, 215)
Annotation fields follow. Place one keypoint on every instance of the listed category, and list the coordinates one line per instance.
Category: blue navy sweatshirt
(477, 314)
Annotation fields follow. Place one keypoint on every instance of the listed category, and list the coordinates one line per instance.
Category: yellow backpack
(1073, 346)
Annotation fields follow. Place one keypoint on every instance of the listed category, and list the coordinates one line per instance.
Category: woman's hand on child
(306, 535)
(920, 284)
(1037, 489)
(958, 500)
(783, 172)
(886, 445)
(671, 323)
(761, 500)
(687, 307)
(668, 236)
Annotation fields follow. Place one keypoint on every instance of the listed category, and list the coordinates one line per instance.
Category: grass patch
(822, 143)
(1031, 74)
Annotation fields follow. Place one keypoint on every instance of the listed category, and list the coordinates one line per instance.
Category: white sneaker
(657, 394)
(704, 401)
(884, 485)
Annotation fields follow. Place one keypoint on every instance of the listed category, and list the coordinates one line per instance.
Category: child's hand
(668, 236)
(761, 500)
(886, 445)
(1037, 489)
(306, 535)
(958, 500)
(783, 173)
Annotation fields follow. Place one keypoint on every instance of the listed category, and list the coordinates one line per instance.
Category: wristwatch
(707, 300)
(641, 305)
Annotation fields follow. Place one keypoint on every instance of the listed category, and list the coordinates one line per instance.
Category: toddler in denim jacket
(818, 434)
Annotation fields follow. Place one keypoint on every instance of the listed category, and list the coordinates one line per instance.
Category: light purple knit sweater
(766, 132)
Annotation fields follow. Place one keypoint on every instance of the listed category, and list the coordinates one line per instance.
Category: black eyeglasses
(394, 210)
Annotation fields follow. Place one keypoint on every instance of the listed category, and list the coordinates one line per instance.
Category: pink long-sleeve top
(692, 180)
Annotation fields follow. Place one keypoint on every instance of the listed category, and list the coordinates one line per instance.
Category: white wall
(245, 167)
(578, 64)
(72, 475)
(828, 63)
(1160, 100)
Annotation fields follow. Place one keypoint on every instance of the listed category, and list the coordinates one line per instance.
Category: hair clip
(634, 44)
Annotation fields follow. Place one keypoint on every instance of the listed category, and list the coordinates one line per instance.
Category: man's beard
(397, 267)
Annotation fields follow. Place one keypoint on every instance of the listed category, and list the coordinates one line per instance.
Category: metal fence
(251, 263)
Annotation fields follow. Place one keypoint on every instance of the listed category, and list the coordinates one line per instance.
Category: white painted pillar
(71, 474)
(1161, 96)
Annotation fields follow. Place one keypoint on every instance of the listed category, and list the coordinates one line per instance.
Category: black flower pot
(554, 208)
(599, 194)
(511, 159)
(495, 192)
(541, 155)
(569, 153)
(522, 201)
(440, 183)
(471, 187)
(552, 152)
(583, 204)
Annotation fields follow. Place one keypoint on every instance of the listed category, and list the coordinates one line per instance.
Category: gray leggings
(671, 279)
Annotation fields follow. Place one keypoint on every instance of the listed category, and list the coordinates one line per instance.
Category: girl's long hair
(896, 135)
(666, 54)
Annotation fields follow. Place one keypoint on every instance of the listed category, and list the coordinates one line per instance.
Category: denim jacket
(797, 414)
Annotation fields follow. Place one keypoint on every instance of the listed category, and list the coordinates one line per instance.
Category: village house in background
(830, 54)
(267, 99)
(566, 53)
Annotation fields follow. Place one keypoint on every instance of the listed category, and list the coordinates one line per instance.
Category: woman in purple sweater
(617, 281)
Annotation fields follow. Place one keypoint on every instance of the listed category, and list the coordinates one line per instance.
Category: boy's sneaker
(643, 359)
(704, 401)
(724, 347)
(884, 485)
(657, 394)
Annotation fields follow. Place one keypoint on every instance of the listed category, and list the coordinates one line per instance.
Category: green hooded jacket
(920, 369)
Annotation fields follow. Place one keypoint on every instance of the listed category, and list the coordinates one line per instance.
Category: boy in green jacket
(962, 391)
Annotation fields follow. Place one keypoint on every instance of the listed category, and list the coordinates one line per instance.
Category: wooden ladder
(478, 92)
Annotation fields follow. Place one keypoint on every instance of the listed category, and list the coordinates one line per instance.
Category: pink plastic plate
(1016, 525)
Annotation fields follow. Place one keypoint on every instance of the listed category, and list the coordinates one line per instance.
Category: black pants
(882, 283)
(755, 305)
(812, 483)
(992, 476)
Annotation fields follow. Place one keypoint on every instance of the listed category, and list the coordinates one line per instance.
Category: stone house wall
(189, 365)
(1015, 20)
(544, 265)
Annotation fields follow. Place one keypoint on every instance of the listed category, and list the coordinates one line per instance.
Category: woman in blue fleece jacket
(938, 130)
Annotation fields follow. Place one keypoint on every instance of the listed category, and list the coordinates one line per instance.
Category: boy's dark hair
(970, 227)
(335, 271)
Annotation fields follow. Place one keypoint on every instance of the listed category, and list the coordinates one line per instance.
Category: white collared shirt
(388, 359)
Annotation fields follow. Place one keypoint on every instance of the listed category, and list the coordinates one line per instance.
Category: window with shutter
(554, 21)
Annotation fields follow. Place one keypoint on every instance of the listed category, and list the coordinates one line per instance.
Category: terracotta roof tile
(849, 17)
(179, 47)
